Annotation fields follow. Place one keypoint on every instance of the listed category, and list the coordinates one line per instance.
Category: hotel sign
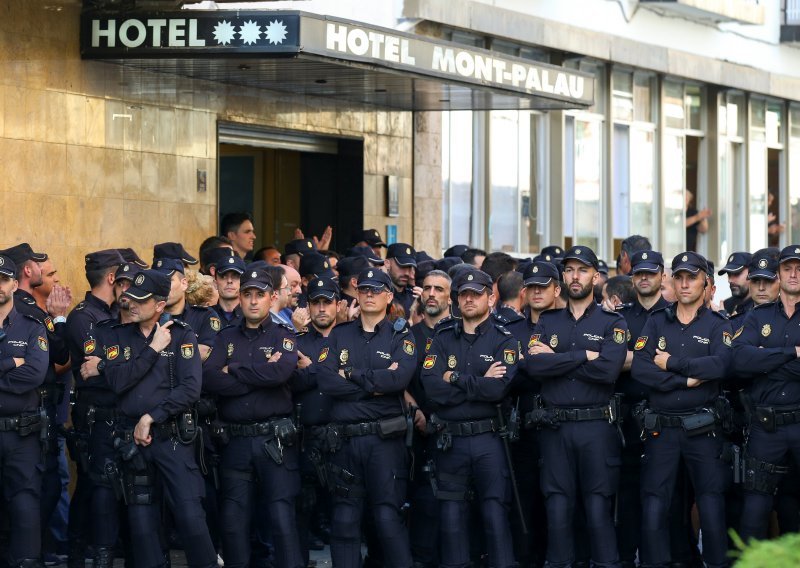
(226, 34)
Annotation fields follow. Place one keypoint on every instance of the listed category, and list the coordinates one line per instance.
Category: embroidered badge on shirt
(727, 339)
(344, 355)
(89, 346)
(430, 361)
(48, 323)
(216, 324)
(428, 343)
(662, 343)
(554, 341)
(42, 343)
(112, 352)
(126, 353)
(451, 362)
(408, 347)
(766, 330)
(322, 355)
(534, 338)
(509, 356)
(619, 335)
(288, 344)
(640, 343)
(187, 350)
(230, 349)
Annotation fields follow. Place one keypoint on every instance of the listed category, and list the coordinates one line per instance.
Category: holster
(765, 416)
(392, 427)
(513, 425)
(699, 424)
(78, 447)
(761, 476)
(724, 411)
(219, 433)
(188, 428)
(651, 424)
(114, 477)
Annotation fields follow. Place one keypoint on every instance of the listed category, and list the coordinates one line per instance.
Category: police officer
(172, 250)
(542, 287)
(227, 274)
(647, 273)
(157, 373)
(249, 370)
(467, 373)
(767, 345)
(682, 354)
(736, 269)
(578, 355)
(369, 365)
(424, 522)
(400, 265)
(23, 365)
(91, 500)
(763, 282)
(29, 277)
(314, 406)
(204, 321)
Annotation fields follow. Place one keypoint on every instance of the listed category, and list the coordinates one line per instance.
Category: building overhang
(713, 11)
(307, 54)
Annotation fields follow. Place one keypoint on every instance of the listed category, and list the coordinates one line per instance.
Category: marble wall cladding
(96, 155)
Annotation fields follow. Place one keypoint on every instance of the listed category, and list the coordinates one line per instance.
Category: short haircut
(634, 244)
(259, 254)
(330, 253)
(276, 273)
(440, 274)
(212, 243)
(498, 263)
(621, 287)
(158, 298)
(232, 222)
(470, 254)
(509, 286)
(95, 277)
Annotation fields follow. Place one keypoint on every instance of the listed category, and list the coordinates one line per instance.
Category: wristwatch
(101, 365)
(59, 319)
(347, 372)
(453, 377)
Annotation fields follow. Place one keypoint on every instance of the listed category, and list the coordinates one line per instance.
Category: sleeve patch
(112, 352)
(216, 323)
(727, 339)
(738, 332)
(323, 355)
(430, 361)
(288, 344)
(619, 335)
(187, 350)
(640, 343)
(408, 347)
(510, 356)
(42, 342)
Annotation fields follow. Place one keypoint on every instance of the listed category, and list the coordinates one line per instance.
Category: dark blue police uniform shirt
(315, 406)
(373, 391)
(698, 350)
(229, 318)
(405, 299)
(508, 315)
(253, 389)
(473, 396)
(25, 304)
(524, 384)
(204, 322)
(423, 337)
(159, 384)
(635, 315)
(569, 379)
(25, 338)
(82, 339)
(764, 351)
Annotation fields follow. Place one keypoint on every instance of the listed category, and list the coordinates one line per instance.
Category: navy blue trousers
(21, 477)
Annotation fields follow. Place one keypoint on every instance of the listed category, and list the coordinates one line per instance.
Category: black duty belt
(105, 414)
(24, 423)
(580, 414)
(472, 428)
(784, 416)
(251, 430)
(360, 429)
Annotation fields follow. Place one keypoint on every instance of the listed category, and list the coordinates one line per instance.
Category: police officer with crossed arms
(249, 370)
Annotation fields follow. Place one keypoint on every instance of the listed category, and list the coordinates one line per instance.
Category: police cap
(540, 274)
(231, 264)
(322, 288)
(299, 246)
(374, 278)
(172, 250)
(7, 267)
(23, 253)
(127, 271)
(553, 251)
(737, 262)
(130, 256)
(258, 279)
(214, 256)
(446, 263)
(602, 267)
(690, 262)
(456, 250)
(402, 253)
(103, 259)
(646, 261)
(475, 280)
(422, 256)
(762, 266)
(352, 265)
(315, 264)
(792, 252)
(373, 238)
(148, 283)
(367, 253)
(168, 266)
(581, 254)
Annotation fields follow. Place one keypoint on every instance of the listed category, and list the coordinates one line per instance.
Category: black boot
(103, 557)
(77, 554)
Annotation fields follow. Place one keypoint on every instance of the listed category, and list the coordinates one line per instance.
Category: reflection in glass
(758, 195)
(642, 187)
(504, 167)
(457, 177)
(794, 188)
(588, 169)
(674, 201)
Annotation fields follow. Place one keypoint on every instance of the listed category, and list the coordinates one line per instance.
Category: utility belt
(551, 416)
(446, 430)
(87, 414)
(386, 428)
(696, 423)
(769, 417)
(24, 424)
(279, 432)
(182, 428)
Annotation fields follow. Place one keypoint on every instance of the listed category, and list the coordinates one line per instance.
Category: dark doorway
(287, 189)
(775, 224)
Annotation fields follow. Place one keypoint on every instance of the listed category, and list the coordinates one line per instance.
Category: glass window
(674, 111)
(642, 97)
(758, 195)
(758, 130)
(642, 188)
(734, 115)
(794, 175)
(774, 123)
(622, 94)
(457, 177)
(504, 167)
(588, 182)
(674, 200)
(694, 106)
(621, 188)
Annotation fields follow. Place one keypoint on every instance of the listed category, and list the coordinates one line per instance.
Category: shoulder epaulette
(28, 300)
(81, 305)
(720, 314)
(179, 323)
(201, 308)
(759, 306)
(30, 317)
(500, 318)
(501, 328)
(285, 326)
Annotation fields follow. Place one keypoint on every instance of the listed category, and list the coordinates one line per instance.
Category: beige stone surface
(96, 155)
